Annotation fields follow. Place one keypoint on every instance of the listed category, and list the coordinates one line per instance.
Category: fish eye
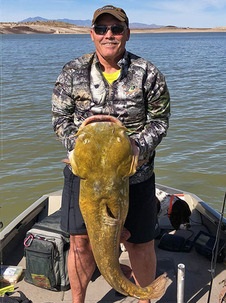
(86, 141)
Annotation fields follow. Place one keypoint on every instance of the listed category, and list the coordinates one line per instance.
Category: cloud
(183, 6)
(195, 13)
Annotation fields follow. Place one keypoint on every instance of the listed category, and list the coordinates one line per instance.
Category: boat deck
(197, 281)
(197, 267)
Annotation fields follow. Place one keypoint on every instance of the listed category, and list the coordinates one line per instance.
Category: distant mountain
(87, 23)
(143, 25)
(30, 19)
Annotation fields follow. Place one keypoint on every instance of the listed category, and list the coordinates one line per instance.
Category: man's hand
(135, 148)
(68, 161)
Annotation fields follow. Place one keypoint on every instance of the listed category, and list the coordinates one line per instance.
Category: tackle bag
(10, 298)
(46, 249)
(205, 244)
(175, 243)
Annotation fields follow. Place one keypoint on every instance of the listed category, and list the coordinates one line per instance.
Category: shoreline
(55, 27)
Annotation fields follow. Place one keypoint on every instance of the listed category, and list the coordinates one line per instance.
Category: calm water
(192, 157)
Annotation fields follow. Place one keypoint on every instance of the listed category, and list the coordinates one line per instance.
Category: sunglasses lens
(100, 29)
(115, 29)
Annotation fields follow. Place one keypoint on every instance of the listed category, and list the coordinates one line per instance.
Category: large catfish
(103, 158)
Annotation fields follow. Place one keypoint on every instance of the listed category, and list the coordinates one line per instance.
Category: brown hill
(57, 27)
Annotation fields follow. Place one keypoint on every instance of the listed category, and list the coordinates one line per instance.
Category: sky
(181, 13)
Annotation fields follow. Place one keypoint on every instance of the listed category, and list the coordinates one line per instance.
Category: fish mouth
(100, 118)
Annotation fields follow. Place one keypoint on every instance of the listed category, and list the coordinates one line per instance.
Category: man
(114, 82)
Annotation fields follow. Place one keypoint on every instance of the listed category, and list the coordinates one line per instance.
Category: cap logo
(106, 7)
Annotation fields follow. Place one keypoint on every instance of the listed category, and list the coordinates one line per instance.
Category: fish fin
(134, 164)
(135, 156)
(73, 163)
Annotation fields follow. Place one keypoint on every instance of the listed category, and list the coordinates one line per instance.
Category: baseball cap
(117, 12)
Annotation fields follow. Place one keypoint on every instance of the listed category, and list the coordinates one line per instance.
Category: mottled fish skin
(103, 158)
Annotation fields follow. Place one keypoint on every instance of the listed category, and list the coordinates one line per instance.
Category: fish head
(103, 147)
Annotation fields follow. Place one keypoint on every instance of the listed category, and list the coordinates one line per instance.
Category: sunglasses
(103, 29)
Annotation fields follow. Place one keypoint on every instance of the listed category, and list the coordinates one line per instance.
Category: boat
(193, 276)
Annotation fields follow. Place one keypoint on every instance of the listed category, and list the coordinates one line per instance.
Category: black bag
(46, 251)
(175, 243)
(205, 245)
(9, 298)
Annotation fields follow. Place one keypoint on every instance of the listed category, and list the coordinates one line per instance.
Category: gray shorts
(141, 220)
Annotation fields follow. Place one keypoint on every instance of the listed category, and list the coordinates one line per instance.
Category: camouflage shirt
(139, 98)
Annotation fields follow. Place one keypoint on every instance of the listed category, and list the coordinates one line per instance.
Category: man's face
(110, 46)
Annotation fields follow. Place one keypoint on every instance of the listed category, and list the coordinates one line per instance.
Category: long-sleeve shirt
(139, 98)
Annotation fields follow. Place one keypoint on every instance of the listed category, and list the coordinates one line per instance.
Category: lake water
(193, 155)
